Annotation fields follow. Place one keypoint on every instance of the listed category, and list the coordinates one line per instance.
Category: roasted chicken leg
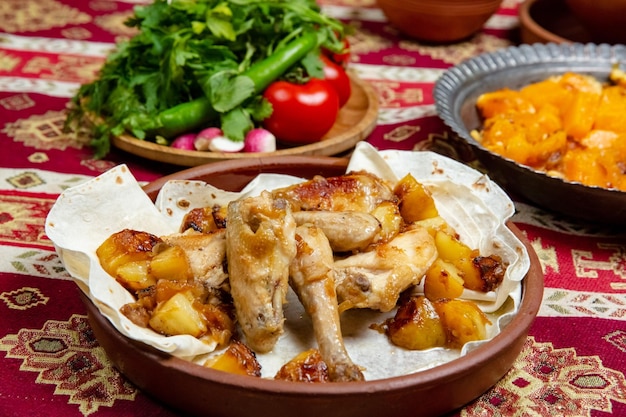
(375, 279)
(312, 278)
(260, 246)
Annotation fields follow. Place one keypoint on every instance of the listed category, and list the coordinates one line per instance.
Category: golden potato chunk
(135, 275)
(460, 255)
(463, 320)
(416, 325)
(128, 246)
(178, 316)
(416, 203)
(171, 263)
(442, 280)
(307, 366)
(205, 219)
(434, 225)
(236, 359)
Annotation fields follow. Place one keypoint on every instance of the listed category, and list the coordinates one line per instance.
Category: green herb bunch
(200, 62)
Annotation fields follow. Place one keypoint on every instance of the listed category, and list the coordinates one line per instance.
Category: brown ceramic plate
(546, 21)
(356, 120)
(455, 96)
(197, 391)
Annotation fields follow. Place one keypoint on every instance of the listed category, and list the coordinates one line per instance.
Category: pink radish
(185, 142)
(213, 139)
(259, 140)
(204, 138)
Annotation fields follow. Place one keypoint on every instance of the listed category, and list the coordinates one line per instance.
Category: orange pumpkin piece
(580, 113)
(548, 91)
(503, 101)
(581, 165)
(610, 114)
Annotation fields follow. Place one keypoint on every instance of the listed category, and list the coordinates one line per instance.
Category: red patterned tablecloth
(574, 359)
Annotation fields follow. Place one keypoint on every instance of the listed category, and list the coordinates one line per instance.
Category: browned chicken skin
(357, 191)
(312, 278)
(260, 245)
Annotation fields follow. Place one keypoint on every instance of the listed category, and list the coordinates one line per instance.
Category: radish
(223, 144)
(184, 142)
(204, 138)
(213, 139)
(259, 140)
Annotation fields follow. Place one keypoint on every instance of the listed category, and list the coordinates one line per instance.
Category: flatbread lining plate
(73, 228)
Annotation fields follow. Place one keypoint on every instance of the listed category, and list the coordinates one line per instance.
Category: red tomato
(339, 79)
(341, 58)
(302, 113)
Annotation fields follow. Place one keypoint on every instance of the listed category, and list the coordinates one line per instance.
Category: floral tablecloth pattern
(574, 359)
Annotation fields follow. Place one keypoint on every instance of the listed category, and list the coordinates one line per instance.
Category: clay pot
(439, 21)
(544, 21)
(195, 390)
(604, 19)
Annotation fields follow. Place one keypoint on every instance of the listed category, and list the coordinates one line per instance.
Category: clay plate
(356, 120)
(455, 96)
(199, 391)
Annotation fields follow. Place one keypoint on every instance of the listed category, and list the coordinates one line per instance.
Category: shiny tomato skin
(337, 76)
(302, 113)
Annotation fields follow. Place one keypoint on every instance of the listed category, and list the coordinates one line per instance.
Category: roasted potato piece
(416, 325)
(463, 321)
(199, 219)
(492, 270)
(307, 366)
(442, 280)
(435, 224)
(479, 273)
(236, 359)
(135, 275)
(452, 250)
(125, 246)
(220, 322)
(171, 263)
(416, 203)
(178, 315)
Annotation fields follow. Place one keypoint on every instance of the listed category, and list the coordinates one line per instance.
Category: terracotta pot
(604, 19)
(439, 20)
(546, 21)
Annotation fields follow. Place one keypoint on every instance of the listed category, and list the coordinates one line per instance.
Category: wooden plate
(356, 120)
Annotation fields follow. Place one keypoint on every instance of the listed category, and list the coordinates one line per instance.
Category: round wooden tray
(356, 120)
